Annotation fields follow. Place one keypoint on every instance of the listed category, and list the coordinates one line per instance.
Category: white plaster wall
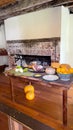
(71, 39)
(3, 59)
(64, 46)
(40, 24)
(2, 37)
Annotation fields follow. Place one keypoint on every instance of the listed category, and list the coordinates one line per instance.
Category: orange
(71, 70)
(63, 70)
(58, 70)
(30, 95)
(28, 88)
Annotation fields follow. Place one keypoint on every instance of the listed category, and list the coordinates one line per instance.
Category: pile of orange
(65, 69)
(29, 92)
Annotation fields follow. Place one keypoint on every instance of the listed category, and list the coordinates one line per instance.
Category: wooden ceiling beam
(24, 7)
(18, 7)
(6, 2)
(61, 2)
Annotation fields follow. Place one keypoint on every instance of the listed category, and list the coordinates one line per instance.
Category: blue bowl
(64, 77)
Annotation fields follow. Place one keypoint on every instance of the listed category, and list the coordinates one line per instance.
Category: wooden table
(64, 86)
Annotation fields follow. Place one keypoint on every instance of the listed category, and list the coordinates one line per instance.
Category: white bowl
(50, 70)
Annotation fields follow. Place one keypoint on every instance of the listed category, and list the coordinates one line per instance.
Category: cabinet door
(3, 121)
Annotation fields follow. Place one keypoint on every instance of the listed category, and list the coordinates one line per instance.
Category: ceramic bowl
(64, 77)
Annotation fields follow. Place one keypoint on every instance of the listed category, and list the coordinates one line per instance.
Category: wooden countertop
(58, 83)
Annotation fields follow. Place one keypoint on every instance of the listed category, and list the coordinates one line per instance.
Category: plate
(37, 75)
(50, 77)
(40, 71)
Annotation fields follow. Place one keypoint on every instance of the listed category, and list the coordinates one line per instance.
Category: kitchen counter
(47, 96)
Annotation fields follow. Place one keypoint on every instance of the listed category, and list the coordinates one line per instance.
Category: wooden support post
(64, 107)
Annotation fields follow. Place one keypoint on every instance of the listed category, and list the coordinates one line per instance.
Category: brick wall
(35, 47)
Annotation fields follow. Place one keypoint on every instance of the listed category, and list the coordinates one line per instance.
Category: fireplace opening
(21, 59)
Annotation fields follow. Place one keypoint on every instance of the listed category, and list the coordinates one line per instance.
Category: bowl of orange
(64, 72)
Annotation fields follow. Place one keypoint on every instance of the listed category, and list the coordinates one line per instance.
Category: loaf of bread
(55, 65)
